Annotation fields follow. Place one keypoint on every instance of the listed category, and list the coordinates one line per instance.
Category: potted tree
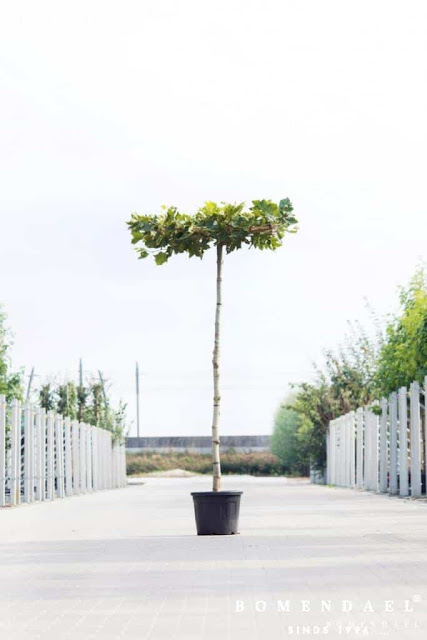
(226, 227)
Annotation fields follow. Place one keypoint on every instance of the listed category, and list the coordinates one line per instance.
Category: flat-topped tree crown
(230, 226)
(262, 225)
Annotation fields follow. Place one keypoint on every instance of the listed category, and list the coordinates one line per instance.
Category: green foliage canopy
(262, 225)
(10, 382)
(47, 398)
(366, 369)
(403, 355)
(289, 442)
(67, 400)
(344, 382)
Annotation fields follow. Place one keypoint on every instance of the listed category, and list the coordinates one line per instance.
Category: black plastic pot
(217, 512)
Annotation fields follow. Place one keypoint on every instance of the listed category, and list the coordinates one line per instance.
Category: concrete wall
(197, 444)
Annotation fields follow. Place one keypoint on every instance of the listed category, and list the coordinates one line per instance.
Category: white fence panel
(45, 456)
(382, 447)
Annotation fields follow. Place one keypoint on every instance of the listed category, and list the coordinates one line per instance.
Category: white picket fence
(45, 456)
(385, 452)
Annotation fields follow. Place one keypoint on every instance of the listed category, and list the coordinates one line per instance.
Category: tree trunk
(215, 362)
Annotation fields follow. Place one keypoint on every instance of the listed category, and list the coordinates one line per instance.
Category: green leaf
(161, 257)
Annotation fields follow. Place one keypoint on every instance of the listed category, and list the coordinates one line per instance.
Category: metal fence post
(393, 443)
(76, 456)
(331, 463)
(3, 408)
(89, 444)
(374, 452)
(359, 448)
(368, 450)
(123, 465)
(50, 476)
(43, 452)
(40, 453)
(59, 441)
(415, 422)
(403, 442)
(94, 432)
(82, 456)
(68, 458)
(351, 420)
(425, 426)
(345, 424)
(28, 453)
(15, 453)
(383, 446)
(110, 459)
(338, 444)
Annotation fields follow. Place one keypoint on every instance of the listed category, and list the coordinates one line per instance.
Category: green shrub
(288, 441)
(256, 463)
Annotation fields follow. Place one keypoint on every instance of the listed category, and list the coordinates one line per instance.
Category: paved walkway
(127, 564)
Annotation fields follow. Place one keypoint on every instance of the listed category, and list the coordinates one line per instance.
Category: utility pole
(81, 393)
(30, 382)
(137, 399)
(103, 389)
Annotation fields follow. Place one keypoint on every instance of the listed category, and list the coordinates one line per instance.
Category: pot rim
(218, 494)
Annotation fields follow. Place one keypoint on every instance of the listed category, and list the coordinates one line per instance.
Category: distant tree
(366, 368)
(403, 355)
(345, 381)
(10, 382)
(47, 397)
(66, 404)
(85, 403)
(288, 441)
(96, 405)
(227, 227)
(82, 399)
(115, 419)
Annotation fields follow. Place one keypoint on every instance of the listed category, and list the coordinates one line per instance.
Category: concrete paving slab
(310, 561)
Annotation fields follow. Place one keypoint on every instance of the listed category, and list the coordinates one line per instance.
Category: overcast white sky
(109, 107)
